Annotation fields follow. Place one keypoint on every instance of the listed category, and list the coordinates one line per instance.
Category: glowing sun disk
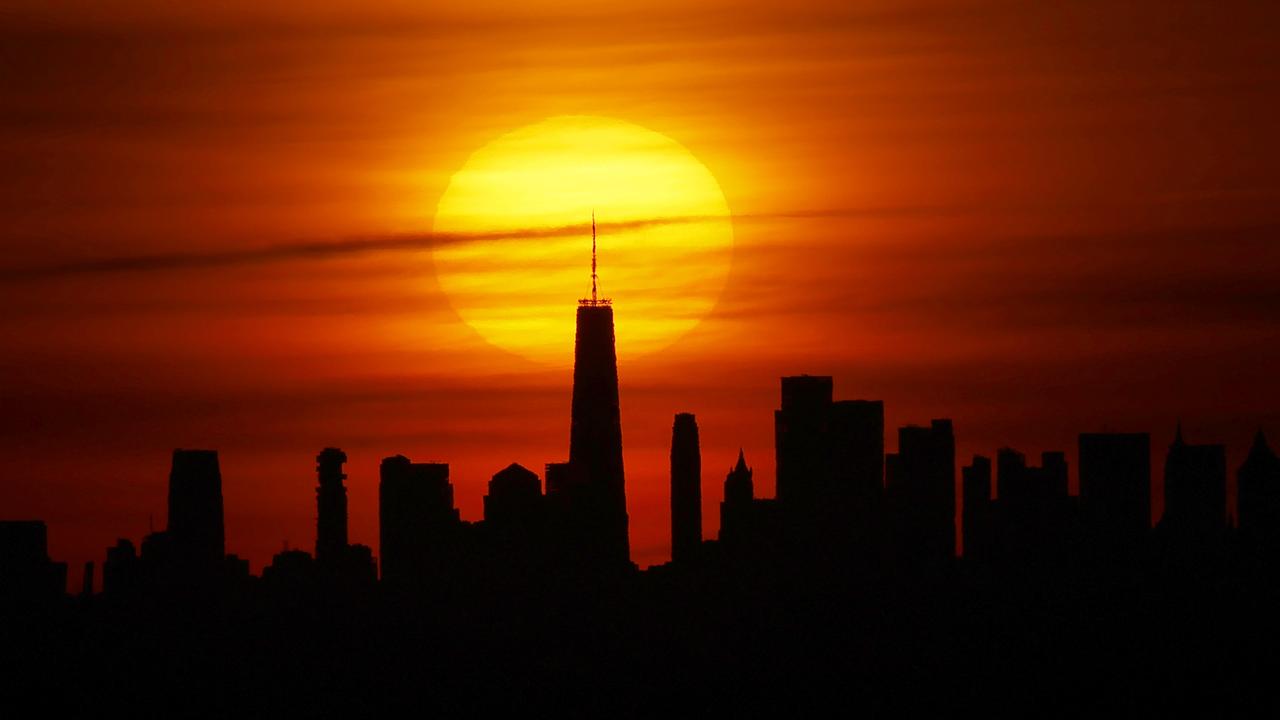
(519, 293)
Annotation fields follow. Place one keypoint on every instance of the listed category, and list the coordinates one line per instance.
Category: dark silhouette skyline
(852, 568)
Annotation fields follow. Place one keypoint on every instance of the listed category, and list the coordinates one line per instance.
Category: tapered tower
(595, 434)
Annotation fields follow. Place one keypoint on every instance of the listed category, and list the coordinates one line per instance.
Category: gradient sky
(1034, 218)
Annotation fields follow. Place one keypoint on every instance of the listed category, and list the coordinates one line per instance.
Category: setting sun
(665, 242)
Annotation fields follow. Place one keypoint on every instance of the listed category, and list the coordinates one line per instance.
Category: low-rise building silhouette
(27, 574)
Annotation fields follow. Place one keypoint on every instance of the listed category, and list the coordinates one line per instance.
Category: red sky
(1036, 220)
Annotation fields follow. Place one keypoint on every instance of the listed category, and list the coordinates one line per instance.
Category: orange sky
(1035, 220)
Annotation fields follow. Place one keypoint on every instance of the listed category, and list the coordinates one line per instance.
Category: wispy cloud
(327, 249)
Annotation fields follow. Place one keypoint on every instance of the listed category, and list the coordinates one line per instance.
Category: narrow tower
(331, 507)
(595, 433)
(686, 489)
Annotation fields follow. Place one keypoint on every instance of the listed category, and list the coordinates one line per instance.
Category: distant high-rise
(195, 528)
(1195, 489)
(1115, 483)
(1032, 507)
(736, 508)
(802, 439)
(595, 433)
(416, 519)
(922, 491)
(830, 461)
(1258, 489)
(331, 507)
(976, 516)
(686, 489)
(857, 449)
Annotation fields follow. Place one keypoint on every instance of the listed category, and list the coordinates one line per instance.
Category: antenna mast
(595, 300)
(593, 257)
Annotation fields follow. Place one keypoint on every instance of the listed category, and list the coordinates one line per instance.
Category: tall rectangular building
(857, 449)
(195, 524)
(417, 520)
(686, 489)
(923, 493)
(976, 516)
(331, 507)
(830, 454)
(802, 442)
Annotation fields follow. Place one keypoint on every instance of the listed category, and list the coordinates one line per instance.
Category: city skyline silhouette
(852, 526)
(728, 358)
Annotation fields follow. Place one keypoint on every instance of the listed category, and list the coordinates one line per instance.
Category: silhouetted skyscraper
(735, 509)
(1195, 489)
(595, 433)
(195, 528)
(1032, 507)
(686, 489)
(331, 507)
(802, 439)
(830, 464)
(976, 515)
(922, 491)
(857, 448)
(1115, 483)
(416, 519)
(1258, 490)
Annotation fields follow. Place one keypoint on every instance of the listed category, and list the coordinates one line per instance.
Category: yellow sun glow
(665, 240)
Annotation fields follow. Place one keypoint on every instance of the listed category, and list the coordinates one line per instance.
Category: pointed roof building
(1258, 484)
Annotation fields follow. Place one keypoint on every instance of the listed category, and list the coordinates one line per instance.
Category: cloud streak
(403, 242)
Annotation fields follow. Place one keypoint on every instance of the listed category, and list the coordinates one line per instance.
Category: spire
(1260, 448)
(594, 300)
(1177, 436)
(742, 462)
